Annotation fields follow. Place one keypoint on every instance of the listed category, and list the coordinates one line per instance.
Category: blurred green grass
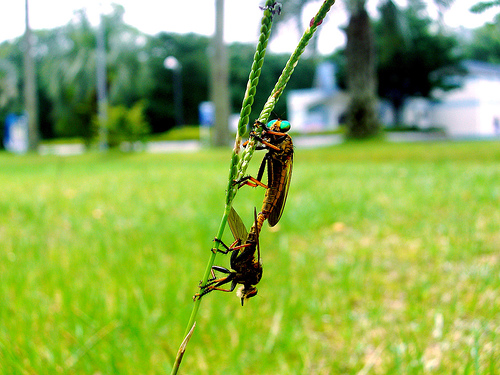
(183, 133)
(386, 261)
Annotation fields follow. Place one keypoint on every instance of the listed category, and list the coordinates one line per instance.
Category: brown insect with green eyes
(279, 163)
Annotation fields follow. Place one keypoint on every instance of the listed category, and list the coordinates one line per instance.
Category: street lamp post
(171, 63)
(30, 86)
(102, 95)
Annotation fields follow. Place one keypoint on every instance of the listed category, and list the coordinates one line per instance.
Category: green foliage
(65, 60)
(66, 74)
(124, 124)
(183, 133)
(484, 5)
(66, 63)
(11, 59)
(485, 43)
(412, 59)
(8, 83)
(385, 261)
(241, 56)
(191, 52)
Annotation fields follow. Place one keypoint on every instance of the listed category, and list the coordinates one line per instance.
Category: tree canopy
(66, 65)
(484, 44)
(413, 57)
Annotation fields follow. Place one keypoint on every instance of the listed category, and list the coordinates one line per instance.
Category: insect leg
(262, 167)
(226, 290)
(246, 181)
(234, 246)
(275, 133)
(214, 280)
(215, 286)
(220, 269)
(209, 281)
(228, 248)
(266, 143)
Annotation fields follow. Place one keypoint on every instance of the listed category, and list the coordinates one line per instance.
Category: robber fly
(246, 269)
(279, 163)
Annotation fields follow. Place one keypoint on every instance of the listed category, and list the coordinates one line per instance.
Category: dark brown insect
(279, 163)
(246, 269)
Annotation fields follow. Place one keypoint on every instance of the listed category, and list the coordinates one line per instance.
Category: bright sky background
(242, 18)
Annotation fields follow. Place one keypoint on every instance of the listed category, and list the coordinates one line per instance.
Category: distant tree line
(136, 75)
(413, 55)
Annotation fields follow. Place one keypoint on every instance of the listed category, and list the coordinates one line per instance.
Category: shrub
(125, 124)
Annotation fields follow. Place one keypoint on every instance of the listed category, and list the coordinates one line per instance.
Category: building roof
(482, 69)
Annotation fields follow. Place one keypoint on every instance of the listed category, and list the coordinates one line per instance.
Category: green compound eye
(285, 126)
(279, 125)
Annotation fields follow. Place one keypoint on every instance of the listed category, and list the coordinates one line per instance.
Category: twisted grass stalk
(239, 163)
(293, 60)
(246, 109)
(282, 82)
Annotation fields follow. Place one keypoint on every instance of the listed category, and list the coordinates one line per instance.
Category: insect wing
(275, 215)
(236, 225)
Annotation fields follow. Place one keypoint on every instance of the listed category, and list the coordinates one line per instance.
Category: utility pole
(219, 88)
(102, 95)
(30, 86)
(171, 63)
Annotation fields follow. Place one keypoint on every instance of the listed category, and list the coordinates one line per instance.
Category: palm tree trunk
(30, 87)
(219, 90)
(362, 119)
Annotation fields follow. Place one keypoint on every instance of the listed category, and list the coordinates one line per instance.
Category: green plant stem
(253, 78)
(231, 191)
(239, 164)
(211, 261)
(282, 82)
(182, 348)
(293, 60)
(196, 305)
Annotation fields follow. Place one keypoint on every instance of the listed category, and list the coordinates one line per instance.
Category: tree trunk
(102, 94)
(30, 88)
(362, 119)
(219, 88)
(398, 115)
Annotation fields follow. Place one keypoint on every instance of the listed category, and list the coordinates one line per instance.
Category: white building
(319, 108)
(471, 110)
(312, 110)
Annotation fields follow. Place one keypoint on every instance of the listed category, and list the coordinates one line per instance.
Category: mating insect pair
(246, 267)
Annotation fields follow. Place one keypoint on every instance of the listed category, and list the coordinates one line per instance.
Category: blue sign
(15, 137)
(206, 112)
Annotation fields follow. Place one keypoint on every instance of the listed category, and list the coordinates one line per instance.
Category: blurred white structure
(473, 110)
(318, 108)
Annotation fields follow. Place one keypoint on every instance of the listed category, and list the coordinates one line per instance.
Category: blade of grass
(90, 343)
(182, 348)
(282, 82)
(231, 190)
(239, 164)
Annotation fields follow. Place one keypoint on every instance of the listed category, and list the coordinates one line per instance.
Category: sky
(241, 24)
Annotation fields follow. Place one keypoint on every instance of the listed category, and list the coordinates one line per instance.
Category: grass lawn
(386, 261)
